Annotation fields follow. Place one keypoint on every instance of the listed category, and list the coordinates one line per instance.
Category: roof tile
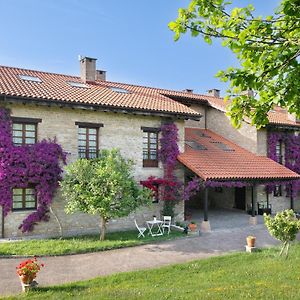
(217, 164)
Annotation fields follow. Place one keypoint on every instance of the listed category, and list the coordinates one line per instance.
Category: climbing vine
(26, 166)
(291, 144)
(171, 187)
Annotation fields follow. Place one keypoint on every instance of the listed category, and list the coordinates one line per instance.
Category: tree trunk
(58, 221)
(103, 228)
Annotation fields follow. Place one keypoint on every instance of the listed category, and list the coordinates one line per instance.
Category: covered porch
(229, 175)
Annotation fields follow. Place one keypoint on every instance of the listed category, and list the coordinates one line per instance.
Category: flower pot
(26, 279)
(192, 227)
(251, 241)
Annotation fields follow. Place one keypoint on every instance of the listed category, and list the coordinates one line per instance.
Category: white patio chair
(167, 223)
(140, 229)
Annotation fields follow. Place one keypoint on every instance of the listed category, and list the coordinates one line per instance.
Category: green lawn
(261, 275)
(81, 244)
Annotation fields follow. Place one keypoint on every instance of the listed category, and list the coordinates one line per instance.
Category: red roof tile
(56, 87)
(235, 163)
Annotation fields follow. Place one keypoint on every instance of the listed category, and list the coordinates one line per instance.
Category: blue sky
(130, 39)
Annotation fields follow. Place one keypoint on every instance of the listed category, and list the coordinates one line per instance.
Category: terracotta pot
(26, 279)
(192, 227)
(251, 241)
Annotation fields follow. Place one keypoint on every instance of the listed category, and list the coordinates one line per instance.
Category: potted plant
(192, 226)
(251, 241)
(27, 271)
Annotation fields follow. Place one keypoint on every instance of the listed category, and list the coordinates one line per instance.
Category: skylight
(195, 145)
(201, 134)
(119, 90)
(30, 78)
(222, 146)
(77, 84)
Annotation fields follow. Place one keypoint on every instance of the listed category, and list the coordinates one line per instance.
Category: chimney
(248, 93)
(100, 75)
(188, 90)
(292, 117)
(214, 93)
(88, 69)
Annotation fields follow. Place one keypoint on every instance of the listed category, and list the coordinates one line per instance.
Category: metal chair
(140, 229)
(166, 223)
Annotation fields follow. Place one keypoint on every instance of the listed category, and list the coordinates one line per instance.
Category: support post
(206, 204)
(292, 197)
(205, 225)
(253, 219)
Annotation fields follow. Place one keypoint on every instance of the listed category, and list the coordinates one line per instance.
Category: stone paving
(85, 266)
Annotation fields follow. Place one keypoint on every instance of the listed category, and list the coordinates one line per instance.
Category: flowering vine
(291, 158)
(35, 166)
(171, 187)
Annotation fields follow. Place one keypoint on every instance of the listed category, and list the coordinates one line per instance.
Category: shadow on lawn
(74, 288)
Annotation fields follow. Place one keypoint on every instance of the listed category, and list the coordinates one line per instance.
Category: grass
(261, 275)
(82, 244)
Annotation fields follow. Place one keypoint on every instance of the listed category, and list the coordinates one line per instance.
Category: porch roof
(212, 157)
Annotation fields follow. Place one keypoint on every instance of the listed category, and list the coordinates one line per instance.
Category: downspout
(205, 117)
(2, 223)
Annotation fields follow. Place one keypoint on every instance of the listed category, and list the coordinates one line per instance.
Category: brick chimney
(88, 68)
(248, 93)
(100, 75)
(214, 93)
(292, 117)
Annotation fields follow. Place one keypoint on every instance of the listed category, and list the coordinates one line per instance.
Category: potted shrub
(251, 241)
(192, 226)
(27, 271)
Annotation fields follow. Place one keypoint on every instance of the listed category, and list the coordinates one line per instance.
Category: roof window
(30, 78)
(201, 134)
(222, 146)
(119, 90)
(195, 145)
(77, 84)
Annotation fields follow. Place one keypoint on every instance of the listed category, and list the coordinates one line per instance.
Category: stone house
(89, 113)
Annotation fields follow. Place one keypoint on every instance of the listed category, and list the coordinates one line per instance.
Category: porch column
(292, 198)
(205, 204)
(205, 225)
(253, 219)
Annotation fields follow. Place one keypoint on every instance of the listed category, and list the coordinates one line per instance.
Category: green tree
(103, 186)
(267, 48)
(283, 227)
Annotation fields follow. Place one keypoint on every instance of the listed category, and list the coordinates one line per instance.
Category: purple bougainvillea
(291, 144)
(171, 187)
(35, 166)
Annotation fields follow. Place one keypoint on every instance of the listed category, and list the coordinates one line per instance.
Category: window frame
(88, 126)
(279, 151)
(277, 191)
(150, 163)
(23, 122)
(24, 194)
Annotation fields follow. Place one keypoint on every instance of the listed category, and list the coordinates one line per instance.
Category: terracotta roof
(220, 159)
(56, 87)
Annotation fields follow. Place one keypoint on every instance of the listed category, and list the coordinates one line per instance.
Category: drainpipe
(2, 223)
(292, 198)
(205, 117)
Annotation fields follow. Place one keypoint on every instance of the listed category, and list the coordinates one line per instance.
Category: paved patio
(222, 219)
(227, 236)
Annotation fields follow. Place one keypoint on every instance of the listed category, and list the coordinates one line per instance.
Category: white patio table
(155, 227)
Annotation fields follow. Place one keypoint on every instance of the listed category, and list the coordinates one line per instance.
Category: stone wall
(122, 131)
(224, 198)
(246, 136)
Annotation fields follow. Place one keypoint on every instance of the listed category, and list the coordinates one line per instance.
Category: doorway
(240, 198)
